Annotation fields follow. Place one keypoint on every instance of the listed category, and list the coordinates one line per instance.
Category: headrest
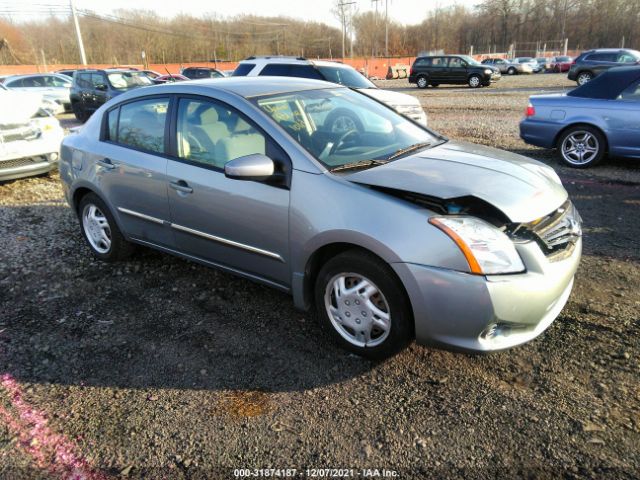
(209, 116)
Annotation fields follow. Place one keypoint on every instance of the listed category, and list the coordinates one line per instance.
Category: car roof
(246, 87)
(28, 75)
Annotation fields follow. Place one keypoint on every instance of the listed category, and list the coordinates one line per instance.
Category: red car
(174, 77)
(561, 64)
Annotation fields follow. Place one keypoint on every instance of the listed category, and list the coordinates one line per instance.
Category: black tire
(358, 263)
(512, 71)
(584, 77)
(583, 132)
(342, 114)
(80, 113)
(422, 81)
(475, 81)
(120, 248)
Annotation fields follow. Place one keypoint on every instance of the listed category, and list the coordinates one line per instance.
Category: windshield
(346, 76)
(341, 127)
(470, 60)
(127, 80)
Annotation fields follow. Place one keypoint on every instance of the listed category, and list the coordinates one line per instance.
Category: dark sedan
(598, 117)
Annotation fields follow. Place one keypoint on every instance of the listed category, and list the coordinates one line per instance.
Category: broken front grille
(557, 233)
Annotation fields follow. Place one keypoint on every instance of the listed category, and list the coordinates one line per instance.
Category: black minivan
(92, 88)
(452, 69)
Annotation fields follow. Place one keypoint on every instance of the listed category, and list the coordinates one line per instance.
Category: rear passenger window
(439, 62)
(141, 124)
(602, 57)
(211, 134)
(422, 62)
(275, 70)
(305, 71)
(243, 69)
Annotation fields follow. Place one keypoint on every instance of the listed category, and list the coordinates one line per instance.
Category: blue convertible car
(600, 117)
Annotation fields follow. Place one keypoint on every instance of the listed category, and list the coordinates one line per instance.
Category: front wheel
(512, 71)
(581, 146)
(362, 305)
(475, 81)
(100, 230)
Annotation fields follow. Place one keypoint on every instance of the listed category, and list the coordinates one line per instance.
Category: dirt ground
(160, 368)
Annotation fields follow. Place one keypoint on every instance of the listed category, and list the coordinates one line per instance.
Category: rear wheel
(581, 146)
(512, 71)
(80, 113)
(361, 304)
(475, 81)
(100, 230)
(584, 77)
(422, 82)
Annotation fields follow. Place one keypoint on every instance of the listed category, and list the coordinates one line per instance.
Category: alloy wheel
(584, 78)
(422, 82)
(357, 309)
(580, 147)
(96, 228)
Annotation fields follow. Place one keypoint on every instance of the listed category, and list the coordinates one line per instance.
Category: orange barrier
(373, 67)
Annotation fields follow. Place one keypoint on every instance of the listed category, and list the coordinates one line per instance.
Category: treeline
(494, 25)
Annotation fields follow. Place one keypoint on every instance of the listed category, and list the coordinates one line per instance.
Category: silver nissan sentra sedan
(389, 230)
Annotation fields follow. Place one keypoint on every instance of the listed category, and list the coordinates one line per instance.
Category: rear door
(131, 168)
(438, 71)
(237, 224)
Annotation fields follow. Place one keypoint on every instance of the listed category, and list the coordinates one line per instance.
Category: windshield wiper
(360, 164)
(409, 149)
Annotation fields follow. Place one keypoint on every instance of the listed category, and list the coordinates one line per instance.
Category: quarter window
(211, 134)
(631, 93)
(243, 69)
(142, 123)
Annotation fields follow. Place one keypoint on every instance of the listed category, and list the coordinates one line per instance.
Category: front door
(457, 70)
(623, 122)
(238, 224)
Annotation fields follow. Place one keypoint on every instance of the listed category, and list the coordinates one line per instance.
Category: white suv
(335, 72)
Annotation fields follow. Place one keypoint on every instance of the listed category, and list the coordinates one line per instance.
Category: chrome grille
(556, 233)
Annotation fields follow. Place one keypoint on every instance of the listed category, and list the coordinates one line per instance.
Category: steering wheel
(341, 141)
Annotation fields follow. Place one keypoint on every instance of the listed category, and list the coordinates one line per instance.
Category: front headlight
(488, 71)
(487, 249)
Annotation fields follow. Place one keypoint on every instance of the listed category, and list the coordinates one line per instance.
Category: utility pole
(83, 57)
(344, 24)
(386, 28)
(374, 40)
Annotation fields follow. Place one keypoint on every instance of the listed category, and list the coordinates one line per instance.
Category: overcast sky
(404, 11)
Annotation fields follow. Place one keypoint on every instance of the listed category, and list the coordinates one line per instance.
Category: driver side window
(210, 134)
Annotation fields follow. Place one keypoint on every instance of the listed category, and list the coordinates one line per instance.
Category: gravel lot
(160, 368)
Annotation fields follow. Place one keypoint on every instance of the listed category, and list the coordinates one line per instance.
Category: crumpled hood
(17, 108)
(390, 97)
(523, 189)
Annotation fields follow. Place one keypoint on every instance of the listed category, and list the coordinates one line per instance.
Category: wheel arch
(303, 291)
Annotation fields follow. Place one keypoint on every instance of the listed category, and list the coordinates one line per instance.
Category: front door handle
(107, 163)
(181, 186)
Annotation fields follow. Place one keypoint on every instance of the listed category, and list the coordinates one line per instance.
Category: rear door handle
(107, 163)
(181, 186)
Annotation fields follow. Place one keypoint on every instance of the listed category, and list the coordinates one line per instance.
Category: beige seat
(201, 135)
(244, 140)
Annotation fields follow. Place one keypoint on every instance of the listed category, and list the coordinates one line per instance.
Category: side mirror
(101, 86)
(250, 167)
